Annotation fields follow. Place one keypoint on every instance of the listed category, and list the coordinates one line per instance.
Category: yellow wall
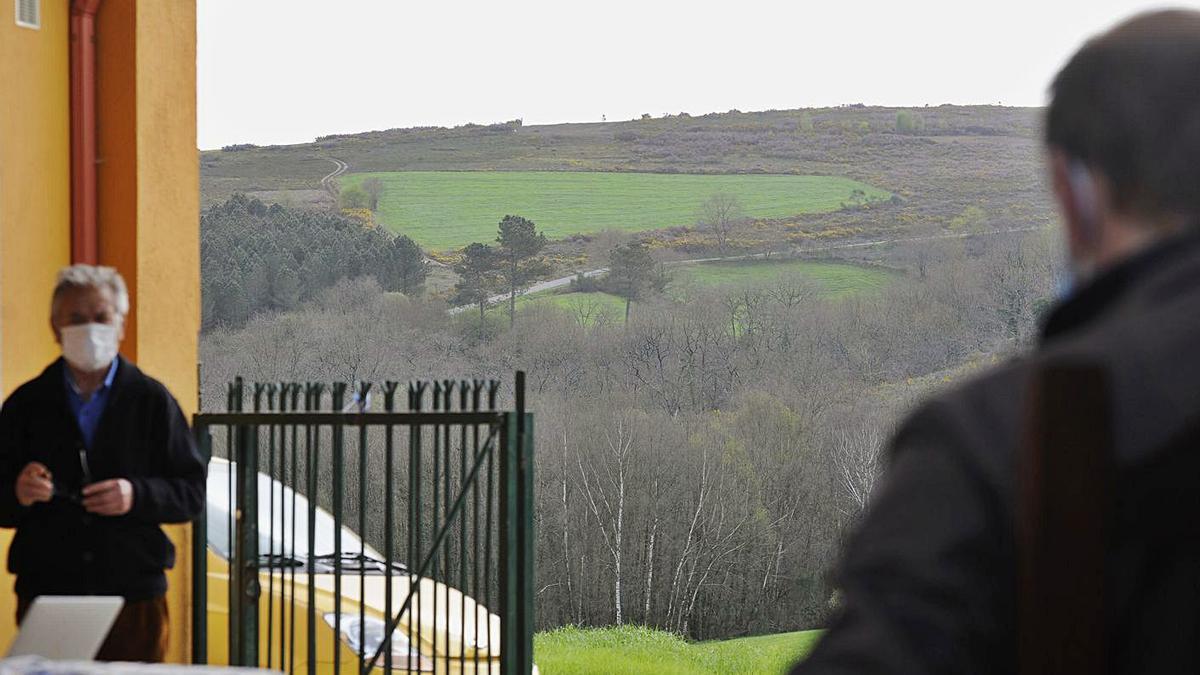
(168, 242)
(148, 219)
(35, 188)
(150, 210)
(35, 207)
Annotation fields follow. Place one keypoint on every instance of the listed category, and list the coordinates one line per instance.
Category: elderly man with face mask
(94, 456)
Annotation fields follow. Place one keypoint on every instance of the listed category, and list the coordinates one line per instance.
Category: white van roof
(276, 534)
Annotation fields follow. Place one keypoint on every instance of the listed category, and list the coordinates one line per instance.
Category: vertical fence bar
(200, 559)
(270, 389)
(447, 499)
(284, 556)
(524, 526)
(389, 405)
(339, 477)
(295, 393)
(362, 402)
(247, 545)
(509, 598)
(476, 391)
(492, 461)
(235, 574)
(416, 394)
(312, 453)
(437, 506)
(464, 393)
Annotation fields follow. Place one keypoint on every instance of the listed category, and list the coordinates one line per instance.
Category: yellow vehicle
(450, 632)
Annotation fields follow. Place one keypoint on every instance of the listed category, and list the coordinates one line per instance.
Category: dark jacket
(928, 582)
(60, 549)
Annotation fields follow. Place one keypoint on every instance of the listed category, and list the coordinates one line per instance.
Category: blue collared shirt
(88, 413)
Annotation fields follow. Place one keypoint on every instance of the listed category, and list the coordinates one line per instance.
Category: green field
(591, 307)
(831, 279)
(630, 650)
(834, 278)
(447, 209)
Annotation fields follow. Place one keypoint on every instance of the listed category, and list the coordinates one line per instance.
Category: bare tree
(720, 213)
(373, 187)
(856, 456)
(609, 495)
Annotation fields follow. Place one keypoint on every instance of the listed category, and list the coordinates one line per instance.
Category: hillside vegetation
(698, 464)
(982, 161)
(450, 209)
(734, 431)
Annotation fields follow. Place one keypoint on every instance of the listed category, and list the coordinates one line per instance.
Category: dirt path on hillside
(789, 255)
(328, 181)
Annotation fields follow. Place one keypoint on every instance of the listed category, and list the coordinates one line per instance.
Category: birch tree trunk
(612, 522)
(566, 527)
(650, 560)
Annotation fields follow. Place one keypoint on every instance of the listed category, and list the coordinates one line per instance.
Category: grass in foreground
(836, 279)
(448, 209)
(631, 650)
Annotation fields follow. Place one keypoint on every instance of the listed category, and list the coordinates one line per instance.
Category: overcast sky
(286, 71)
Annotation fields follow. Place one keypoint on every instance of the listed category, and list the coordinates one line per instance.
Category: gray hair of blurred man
(91, 276)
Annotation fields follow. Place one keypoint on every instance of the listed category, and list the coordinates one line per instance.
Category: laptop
(66, 627)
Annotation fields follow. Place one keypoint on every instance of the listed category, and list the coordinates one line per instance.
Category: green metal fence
(362, 539)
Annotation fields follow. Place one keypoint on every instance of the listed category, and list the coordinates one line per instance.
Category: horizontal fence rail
(341, 538)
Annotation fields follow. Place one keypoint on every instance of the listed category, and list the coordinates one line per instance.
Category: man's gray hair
(91, 276)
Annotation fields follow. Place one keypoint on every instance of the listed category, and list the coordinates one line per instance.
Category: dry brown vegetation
(696, 467)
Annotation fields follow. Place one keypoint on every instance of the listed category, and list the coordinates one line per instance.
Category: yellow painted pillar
(149, 210)
(35, 187)
(35, 208)
(148, 177)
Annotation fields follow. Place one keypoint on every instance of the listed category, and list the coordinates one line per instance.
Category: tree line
(258, 258)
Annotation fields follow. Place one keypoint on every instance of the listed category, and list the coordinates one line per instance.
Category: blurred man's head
(1123, 130)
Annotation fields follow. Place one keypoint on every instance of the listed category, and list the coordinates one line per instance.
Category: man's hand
(34, 484)
(108, 497)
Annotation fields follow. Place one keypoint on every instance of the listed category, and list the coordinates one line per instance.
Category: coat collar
(52, 379)
(56, 373)
(1113, 286)
(108, 377)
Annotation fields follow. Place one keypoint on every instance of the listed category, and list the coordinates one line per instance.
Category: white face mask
(90, 347)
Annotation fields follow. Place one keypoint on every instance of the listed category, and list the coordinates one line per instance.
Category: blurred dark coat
(928, 581)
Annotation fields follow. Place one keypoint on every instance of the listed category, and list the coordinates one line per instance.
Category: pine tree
(477, 277)
(407, 266)
(519, 241)
(631, 272)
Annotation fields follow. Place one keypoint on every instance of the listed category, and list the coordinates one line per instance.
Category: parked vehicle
(450, 632)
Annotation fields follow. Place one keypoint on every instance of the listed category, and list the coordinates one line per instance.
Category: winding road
(794, 253)
(327, 181)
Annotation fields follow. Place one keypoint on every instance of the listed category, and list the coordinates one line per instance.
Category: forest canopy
(259, 258)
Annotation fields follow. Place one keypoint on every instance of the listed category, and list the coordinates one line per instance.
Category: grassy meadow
(449, 209)
(835, 279)
(589, 307)
(832, 280)
(631, 650)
